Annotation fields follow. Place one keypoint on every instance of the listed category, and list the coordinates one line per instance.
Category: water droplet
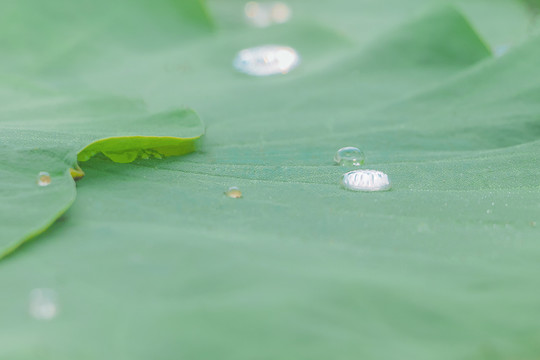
(234, 192)
(281, 12)
(500, 50)
(366, 180)
(266, 60)
(43, 304)
(263, 14)
(44, 179)
(349, 156)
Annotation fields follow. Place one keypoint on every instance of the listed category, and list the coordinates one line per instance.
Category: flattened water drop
(366, 180)
(263, 14)
(266, 60)
(43, 304)
(234, 192)
(44, 179)
(349, 156)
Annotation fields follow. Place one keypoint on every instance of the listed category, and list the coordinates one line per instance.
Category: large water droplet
(43, 304)
(266, 60)
(366, 180)
(263, 14)
(234, 192)
(44, 179)
(349, 156)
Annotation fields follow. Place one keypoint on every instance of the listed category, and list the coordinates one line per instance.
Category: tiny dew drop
(501, 50)
(44, 179)
(349, 156)
(43, 304)
(366, 180)
(266, 60)
(234, 193)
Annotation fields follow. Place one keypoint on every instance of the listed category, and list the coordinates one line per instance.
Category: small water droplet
(489, 211)
(44, 179)
(43, 304)
(366, 180)
(263, 14)
(266, 60)
(349, 156)
(500, 50)
(234, 192)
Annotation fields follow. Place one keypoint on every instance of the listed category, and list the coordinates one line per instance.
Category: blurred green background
(154, 261)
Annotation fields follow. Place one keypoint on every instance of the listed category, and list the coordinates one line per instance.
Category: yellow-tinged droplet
(76, 173)
(44, 179)
(234, 192)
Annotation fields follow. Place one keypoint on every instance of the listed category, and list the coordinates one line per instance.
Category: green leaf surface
(154, 261)
(51, 137)
(43, 128)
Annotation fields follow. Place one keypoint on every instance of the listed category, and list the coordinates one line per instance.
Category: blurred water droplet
(281, 13)
(349, 156)
(366, 180)
(500, 50)
(263, 14)
(43, 304)
(43, 179)
(234, 192)
(266, 60)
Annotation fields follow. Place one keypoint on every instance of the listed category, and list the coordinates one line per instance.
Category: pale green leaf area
(43, 129)
(52, 136)
(153, 261)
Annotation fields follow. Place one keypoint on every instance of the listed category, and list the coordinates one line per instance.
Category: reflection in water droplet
(43, 304)
(366, 180)
(349, 156)
(234, 192)
(43, 179)
(266, 60)
(263, 14)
